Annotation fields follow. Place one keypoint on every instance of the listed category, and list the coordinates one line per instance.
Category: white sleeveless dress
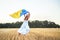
(24, 29)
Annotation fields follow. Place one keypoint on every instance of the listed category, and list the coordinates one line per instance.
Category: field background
(34, 34)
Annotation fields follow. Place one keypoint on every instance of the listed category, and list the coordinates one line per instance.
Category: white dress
(24, 29)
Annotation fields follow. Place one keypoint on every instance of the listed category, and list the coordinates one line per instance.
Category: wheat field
(34, 34)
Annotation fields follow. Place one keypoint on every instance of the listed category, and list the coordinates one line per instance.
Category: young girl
(24, 29)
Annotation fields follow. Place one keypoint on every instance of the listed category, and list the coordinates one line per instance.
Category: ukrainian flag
(19, 13)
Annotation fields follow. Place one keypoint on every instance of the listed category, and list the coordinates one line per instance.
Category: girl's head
(27, 16)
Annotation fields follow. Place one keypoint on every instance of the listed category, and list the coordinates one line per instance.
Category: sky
(39, 10)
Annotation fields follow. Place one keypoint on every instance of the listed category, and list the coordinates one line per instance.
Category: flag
(19, 13)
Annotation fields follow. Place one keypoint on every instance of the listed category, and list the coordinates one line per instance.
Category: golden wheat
(34, 34)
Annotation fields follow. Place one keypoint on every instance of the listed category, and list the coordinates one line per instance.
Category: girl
(24, 29)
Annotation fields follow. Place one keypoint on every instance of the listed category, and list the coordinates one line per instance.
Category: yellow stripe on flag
(16, 14)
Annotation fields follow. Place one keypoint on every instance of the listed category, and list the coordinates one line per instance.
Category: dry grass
(34, 34)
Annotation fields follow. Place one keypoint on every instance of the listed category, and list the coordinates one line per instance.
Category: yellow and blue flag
(19, 13)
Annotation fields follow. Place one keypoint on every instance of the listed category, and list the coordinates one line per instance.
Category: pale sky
(39, 9)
